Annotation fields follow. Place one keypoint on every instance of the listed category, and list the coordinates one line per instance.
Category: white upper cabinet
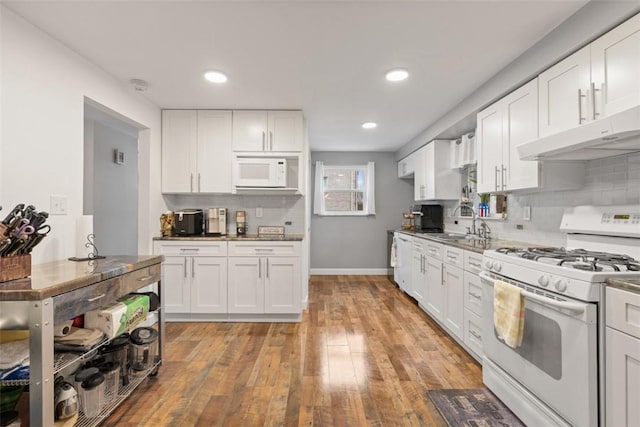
(501, 128)
(268, 131)
(406, 166)
(601, 79)
(196, 151)
(615, 69)
(563, 93)
(433, 178)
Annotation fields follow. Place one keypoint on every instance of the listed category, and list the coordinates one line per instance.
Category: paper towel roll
(62, 329)
(84, 227)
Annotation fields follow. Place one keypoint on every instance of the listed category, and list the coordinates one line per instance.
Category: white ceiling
(326, 58)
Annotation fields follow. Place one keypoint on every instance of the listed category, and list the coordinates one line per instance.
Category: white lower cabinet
(435, 291)
(264, 277)
(419, 272)
(622, 347)
(195, 276)
(473, 332)
(452, 282)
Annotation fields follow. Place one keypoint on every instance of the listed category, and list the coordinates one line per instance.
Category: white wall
(43, 88)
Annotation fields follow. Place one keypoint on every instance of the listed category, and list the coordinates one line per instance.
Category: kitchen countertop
(58, 277)
(631, 284)
(235, 237)
(478, 246)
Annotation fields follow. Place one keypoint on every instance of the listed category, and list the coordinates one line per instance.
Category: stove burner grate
(579, 259)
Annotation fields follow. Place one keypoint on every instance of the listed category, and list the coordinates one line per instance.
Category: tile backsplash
(609, 181)
(276, 210)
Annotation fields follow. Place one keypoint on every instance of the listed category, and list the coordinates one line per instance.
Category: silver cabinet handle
(476, 335)
(267, 263)
(503, 176)
(190, 249)
(496, 178)
(264, 139)
(198, 181)
(476, 296)
(191, 183)
(259, 268)
(185, 267)
(96, 298)
(193, 267)
(475, 265)
(593, 99)
(444, 275)
(270, 141)
(580, 96)
(142, 279)
(264, 249)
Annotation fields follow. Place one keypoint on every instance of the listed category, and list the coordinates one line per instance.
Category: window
(344, 190)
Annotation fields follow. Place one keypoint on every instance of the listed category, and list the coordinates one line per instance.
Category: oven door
(557, 361)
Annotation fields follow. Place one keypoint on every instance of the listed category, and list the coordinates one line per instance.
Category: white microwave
(252, 172)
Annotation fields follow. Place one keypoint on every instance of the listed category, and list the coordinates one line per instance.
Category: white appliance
(260, 172)
(606, 137)
(555, 378)
(216, 221)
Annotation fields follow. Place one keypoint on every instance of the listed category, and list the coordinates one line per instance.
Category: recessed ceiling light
(215, 76)
(369, 125)
(397, 75)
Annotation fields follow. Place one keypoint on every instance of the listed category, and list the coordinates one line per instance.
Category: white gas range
(556, 376)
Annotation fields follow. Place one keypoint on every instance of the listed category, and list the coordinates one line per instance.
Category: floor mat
(473, 408)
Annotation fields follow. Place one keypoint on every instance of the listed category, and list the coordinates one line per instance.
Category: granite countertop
(235, 237)
(58, 277)
(631, 284)
(478, 246)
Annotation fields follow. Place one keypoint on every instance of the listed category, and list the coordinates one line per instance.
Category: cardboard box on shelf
(120, 317)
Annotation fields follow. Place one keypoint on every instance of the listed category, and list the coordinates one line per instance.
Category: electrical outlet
(519, 227)
(58, 205)
(526, 213)
(258, 212)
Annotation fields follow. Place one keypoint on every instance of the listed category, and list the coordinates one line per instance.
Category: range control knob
(560, 285)
(497, 266)
(543, 281)
(488, 264)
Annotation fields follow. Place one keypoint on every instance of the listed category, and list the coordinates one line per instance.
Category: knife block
(15, 267)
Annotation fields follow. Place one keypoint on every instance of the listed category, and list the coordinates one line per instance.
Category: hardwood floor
(363, 355)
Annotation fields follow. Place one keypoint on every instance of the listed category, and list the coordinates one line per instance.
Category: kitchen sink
(451, 236)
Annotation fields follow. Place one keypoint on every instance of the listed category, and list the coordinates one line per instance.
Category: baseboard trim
(348, 271)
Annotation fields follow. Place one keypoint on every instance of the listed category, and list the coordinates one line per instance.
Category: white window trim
(369, 190)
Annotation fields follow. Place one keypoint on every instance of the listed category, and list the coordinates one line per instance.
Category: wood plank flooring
(364, 355)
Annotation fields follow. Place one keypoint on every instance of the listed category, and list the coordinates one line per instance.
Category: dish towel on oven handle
(394, 248)
(508, 313)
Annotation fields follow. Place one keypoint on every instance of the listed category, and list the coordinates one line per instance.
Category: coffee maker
(216, 221)
(428, 218)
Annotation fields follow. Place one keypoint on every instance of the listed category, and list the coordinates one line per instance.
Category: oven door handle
(571, 306)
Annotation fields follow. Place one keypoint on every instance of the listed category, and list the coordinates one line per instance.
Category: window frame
(365, 190)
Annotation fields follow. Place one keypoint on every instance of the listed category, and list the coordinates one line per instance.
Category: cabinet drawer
(71, 304)
(433, 249)
(264, 248)
(453, 256)
(473, 332)
(473, 293)
(191, 248)
(472, 262)
(623, 311)
(135, 280)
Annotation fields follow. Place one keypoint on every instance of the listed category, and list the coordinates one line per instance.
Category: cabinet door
(563, 91)
(406, 166)
(285, 131)
(489, 137)
(622, 379)
(615, 69)
(245, 285)
(214, 152)
(179, 139)
(520, 126)
(249, 131)
(208, 284)
(435, 290)
(420, 174)
(405, 246)
(429, 162)
(418, 274)
(453, 282)
(282, 287)
(177, 279)
(472, 295)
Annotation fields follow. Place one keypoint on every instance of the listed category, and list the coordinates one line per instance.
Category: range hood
(606, 137)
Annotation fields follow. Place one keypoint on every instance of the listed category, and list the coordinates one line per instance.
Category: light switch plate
(259, 212)
(58, 205)
(526, 213)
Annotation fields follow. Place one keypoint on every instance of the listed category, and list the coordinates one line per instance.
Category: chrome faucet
(484, 229)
